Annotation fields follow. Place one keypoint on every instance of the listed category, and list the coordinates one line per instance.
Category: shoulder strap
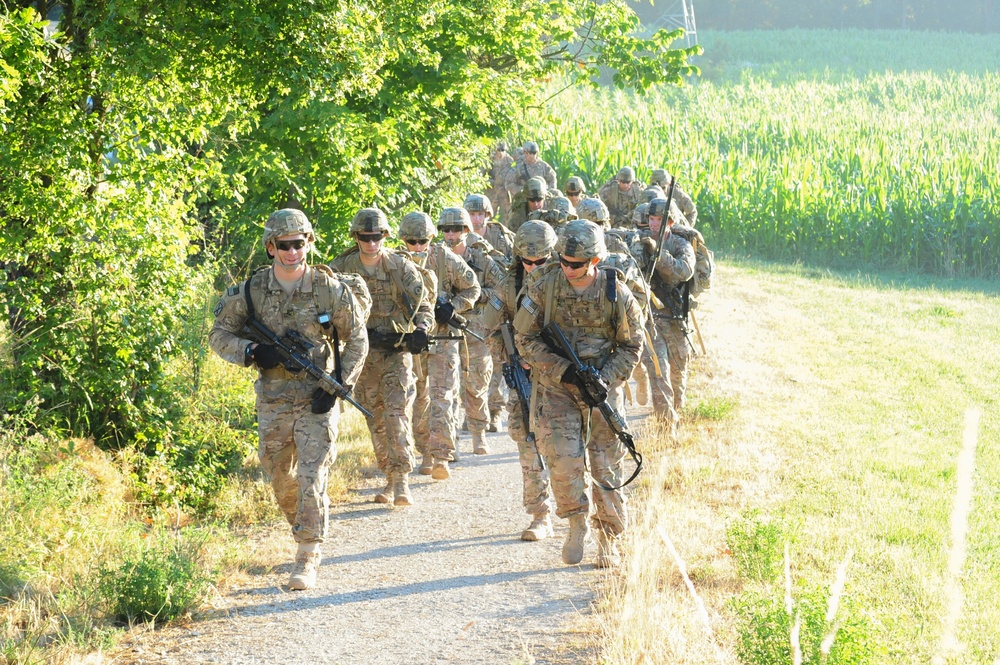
(246, 296)
(550, 296)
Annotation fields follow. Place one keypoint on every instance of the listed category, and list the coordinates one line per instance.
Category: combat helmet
(370, 220)
(652, 192)
(478, 203)
(593, 210)
(455, 217)
(639, 215)
(287, 222)
(665, 209)
(575, 186)
(660, 177)
(501, 146)
(534, 238)
(535, 189)
(416, 225)
(626, 174)
(582, 239)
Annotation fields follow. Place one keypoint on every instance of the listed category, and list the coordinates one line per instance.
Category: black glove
(266, 356)
(417, 341)
(443, 311)
(322, 401)
(593, 390)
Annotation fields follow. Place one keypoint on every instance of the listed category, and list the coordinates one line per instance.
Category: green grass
(852, 391)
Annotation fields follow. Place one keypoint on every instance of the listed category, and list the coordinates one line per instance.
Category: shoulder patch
(495, 302)
(220, 304)
(233, 290)
(529, 305)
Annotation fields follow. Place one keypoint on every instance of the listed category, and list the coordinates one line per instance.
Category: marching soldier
(295, 419)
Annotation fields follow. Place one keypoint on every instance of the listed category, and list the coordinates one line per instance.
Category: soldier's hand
(649, 244)
(322, 401)
(417, 342)
(266, 356)
(592, 389)
(443, 311)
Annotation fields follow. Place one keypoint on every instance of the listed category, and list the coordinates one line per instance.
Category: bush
(756, 544)
(160, 582)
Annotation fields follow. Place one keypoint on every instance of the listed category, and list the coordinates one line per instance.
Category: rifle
(398, 341)
(553, 336)
(457, 321)
(517, 379)
(294, 350)
(663, 228)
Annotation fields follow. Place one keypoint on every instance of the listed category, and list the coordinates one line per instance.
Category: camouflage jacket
(488, 271)
(317, 293)
(400, 301)
(501, 238)
(519, 174)
(606, 334)
(621, 204)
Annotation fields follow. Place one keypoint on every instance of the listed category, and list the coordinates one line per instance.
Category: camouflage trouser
(535, 478)
(561, 428)
(659, 387)
(387, 388)
(435, 426)
(679, 354)
(296, 450)
(498, 387)
(477, 370)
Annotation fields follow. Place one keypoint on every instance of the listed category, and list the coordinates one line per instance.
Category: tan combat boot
(385, 496)
(441, 470)
(607, 551)
(494, 425)
(479, 446)
(539, 529)
(401, 489)
(304, 571)
(572, 549)
(426, 464)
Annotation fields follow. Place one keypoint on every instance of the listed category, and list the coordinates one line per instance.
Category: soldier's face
(454, 235)
(478, 219)
(290, 251)
(655, 222)
(531, 263)
(369, 244)
(576, 269)
(535, 204)
(574, 198)
(530, 158)
(623, 185)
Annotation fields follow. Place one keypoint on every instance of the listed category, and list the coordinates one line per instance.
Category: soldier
(621, 195)
(497, 193)
(596, 311)
(435, 427)
(530, 166)
(529, 200)
(296, 423)
(481, 215)
(681, 198)
(595, 211)
(533, 246)
(557, 211)
(477, 363)
(575, 190)
(400, 304)
(675, 262)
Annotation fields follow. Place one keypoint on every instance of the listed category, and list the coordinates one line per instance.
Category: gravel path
(445, 581)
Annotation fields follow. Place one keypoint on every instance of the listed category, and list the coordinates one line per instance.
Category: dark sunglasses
(452, 229)
(417, 241)
(369, 237)
(536, 200)
(575, 265)
(286, 245)
(539, 262)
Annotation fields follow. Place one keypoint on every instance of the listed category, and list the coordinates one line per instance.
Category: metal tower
(680, 14)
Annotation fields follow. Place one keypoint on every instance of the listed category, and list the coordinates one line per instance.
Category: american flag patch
(495, 302)
(530, 306)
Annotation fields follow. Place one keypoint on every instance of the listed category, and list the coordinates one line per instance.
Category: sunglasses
(417, 241)
(287, 245)
(452, 229)
(575, 265)
(536, 200)
(369, 237)
(539, 262)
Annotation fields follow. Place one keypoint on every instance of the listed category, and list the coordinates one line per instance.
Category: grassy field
(829, 416)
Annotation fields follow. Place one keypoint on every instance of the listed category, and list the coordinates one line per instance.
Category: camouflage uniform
(681, 198)
(608, 336)
(296, 445)
(521, 210)
(435, 425)
(621, 204)
(387, 387)
(518, 174)
(497, 192)
(501, 308)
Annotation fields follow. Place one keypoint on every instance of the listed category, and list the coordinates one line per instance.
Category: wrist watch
(248, 355)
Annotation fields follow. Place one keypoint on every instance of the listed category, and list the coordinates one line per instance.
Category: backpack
(704, 259)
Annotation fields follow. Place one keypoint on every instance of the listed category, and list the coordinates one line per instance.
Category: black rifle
(294, 350)
(517, 379)
(553, 336)
(457, 320)
(663, 229)
(395, 341)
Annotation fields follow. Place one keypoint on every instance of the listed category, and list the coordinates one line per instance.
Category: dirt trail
(444, 581)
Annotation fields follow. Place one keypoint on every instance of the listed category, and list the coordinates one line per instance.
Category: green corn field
(894, 168)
